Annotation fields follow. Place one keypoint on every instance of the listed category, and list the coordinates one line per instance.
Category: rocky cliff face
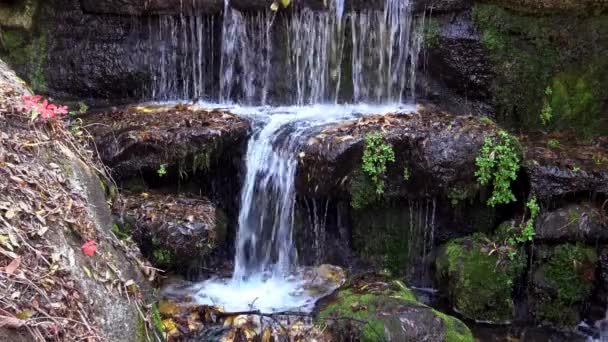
(51, 203)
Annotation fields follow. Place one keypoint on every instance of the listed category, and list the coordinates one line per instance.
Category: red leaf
(89, 248)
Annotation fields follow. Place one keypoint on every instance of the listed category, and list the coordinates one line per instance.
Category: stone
(588, 7)
(582, 222)
(380, 309)
(458, 58)
(438, 149)
(139, 140)
(479, 283)
(174, 231)
(572, 168)
(563, 279)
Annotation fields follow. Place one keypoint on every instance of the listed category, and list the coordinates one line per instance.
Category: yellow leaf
(169, 325)
(87, 271)
(285, 3)
(267, 336)
(274, 7)
(26, 314)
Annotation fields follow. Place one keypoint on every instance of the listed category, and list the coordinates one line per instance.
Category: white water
(266, 275)
(302, 59)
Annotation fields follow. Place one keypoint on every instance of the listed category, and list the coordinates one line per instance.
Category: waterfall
(246, 53)
(317, 46)
(385, 53)
(181, 59)
(300, 57)
(266, 273)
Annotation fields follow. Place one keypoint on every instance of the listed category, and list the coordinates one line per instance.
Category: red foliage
(89, 248)
(39, 107)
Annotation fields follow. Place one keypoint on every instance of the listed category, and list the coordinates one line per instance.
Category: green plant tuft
(376, 156)
(498, 162)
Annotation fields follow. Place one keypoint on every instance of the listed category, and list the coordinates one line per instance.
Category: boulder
(374, 308)
(438, 151)
(568, 169)
(52, 200)
(139, 140)
(480, 282)
(174, 231)
(588, 7)
(457, 56)
(563, 280)
(574, 222)
(152, 7)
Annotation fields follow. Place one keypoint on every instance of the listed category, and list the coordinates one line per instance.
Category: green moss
(563, 53)
(362, 191)
(162, 257)
(568, 277)
(347, 304)
(122, 232)
(455, 330)
(480, 283)
(26, 54)
(431, 33)
(365, 303)
(16, 46)
(388, 236)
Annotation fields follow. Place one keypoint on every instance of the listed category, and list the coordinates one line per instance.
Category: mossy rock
(584, 7)
(373, 308)
(480, 283)
(563, 281)
(553, 65)
(390, 236)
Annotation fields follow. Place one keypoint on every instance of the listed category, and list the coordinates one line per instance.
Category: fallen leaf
(89, 248)
(11, 322)
(12, 267)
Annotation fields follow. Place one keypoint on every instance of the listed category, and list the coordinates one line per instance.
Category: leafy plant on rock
(498, 163)
(525, 231)
(376, 156)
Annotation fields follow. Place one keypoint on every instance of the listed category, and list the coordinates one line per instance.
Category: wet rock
(174, 231)
(90, 57)
(555, 6)
(480, 283)
(572, 168)
(374, 308)
(457, 56)
(437, 150)
(434, 6)
(140, 140)
(152, 7)
(563, 279)
(574, 222)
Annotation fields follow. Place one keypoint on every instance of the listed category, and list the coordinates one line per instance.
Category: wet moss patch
(480, 283)
(563, 281)
(551, 64)
(373, 308)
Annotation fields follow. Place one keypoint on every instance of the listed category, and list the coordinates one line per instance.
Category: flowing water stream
(266, 275)
(386, 43)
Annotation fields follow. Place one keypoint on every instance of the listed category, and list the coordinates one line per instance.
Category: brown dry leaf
(18, 180)
(11, 322)
(12, 267)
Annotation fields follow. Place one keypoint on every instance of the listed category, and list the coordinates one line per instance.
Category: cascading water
(246, 51)
(309, 45)
(181, 58)
(385, 53)
(266, 275)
